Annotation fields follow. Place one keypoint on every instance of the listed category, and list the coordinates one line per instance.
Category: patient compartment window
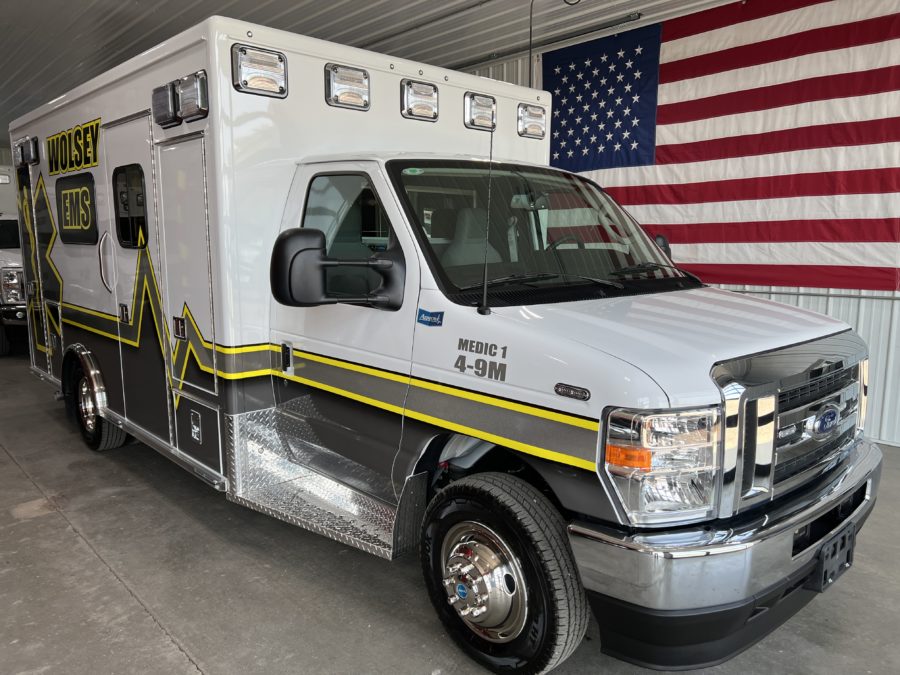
(131, 215)
(347, 210)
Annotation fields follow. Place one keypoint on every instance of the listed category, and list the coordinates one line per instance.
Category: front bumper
(12, 315)
(697, 596)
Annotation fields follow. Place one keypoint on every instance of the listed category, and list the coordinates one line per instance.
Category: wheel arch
(81, 355)
(452, 456)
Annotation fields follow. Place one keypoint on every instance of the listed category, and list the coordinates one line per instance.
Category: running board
(272, 467)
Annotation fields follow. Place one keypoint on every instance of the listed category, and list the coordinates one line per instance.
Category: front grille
(815, 389)
(796, 465)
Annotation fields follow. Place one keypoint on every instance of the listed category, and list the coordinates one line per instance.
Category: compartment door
(188, 298)
(142, 336)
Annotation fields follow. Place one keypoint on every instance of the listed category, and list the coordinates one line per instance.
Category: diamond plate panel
(271, 456)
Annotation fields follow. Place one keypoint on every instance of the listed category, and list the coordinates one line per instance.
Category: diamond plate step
(271, 457)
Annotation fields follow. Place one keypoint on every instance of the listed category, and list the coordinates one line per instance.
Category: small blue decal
(461, 591)
(430, 318)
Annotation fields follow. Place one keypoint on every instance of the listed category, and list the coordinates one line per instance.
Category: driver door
(344, 385)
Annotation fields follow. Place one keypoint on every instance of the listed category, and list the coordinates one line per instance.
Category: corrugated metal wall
(875, 315)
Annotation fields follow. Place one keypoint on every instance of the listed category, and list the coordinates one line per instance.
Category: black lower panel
(146, 385)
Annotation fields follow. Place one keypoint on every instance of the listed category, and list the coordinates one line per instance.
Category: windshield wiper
(540, 276)
(651, 267)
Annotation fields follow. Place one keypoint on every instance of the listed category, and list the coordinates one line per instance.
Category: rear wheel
(81, 400)
(501, 575)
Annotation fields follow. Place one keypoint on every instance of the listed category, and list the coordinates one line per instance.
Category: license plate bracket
(834, 558)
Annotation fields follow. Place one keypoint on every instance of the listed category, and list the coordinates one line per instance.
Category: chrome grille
(790, 416)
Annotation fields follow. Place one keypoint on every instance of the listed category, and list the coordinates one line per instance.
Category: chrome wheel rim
(484, 582)
(86, 408)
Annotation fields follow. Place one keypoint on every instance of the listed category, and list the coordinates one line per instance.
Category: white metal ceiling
(51, 46)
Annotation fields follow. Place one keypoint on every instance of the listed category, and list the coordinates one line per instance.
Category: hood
(677, 337)
(10, 257)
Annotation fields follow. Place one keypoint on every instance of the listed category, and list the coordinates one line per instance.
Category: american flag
(762, 138)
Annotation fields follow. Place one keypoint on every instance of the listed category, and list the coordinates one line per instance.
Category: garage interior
(123, 562)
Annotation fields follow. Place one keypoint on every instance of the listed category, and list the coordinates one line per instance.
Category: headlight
(664, 466)
(12, 289)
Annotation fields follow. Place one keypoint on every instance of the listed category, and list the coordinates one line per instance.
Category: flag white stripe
(766, 210)
(836, 61)
(832, 111)
(779, 25)
(853, 254)
(818, 160)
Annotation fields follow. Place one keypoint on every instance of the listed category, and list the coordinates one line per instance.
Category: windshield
(545, 229)
(9, 234)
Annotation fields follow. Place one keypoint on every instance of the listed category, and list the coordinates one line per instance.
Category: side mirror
(296, 273)
(298, 279)
(663, 244)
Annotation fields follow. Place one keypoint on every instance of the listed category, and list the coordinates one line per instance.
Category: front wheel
(501, 575)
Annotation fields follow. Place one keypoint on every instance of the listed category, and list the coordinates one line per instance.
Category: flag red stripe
(785, 140)
(827, 38)
(736, 12)
(843, 230)
(822, 88)
(820, 276)
(863, 181)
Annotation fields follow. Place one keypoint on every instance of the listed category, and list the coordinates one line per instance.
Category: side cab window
(346, 208)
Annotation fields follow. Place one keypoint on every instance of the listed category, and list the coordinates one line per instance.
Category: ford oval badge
(826, 421)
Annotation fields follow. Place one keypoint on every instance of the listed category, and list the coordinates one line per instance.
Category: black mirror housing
(297, 272)
(663, 244)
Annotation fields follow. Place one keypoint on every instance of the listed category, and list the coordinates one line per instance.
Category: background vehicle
(246, 260)
(12, 288)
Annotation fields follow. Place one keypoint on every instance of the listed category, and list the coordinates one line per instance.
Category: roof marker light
(193, 96)
(259, 71)
(480, 111)
(419, 100)
(532, 121)
(346, 87)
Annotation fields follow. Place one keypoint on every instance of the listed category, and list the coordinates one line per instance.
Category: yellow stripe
(130, 343)
(343, 392)
(551, 455)
(92, 312)
(562, 418)
(374, 372)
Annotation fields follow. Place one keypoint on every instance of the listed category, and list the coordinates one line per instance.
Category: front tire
(500, 574)
(81, 400)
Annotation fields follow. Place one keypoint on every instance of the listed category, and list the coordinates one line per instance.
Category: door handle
(103, 251)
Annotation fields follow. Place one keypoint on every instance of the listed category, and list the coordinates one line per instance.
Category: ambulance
(346, 290)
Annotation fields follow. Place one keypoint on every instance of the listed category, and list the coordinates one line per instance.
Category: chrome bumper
(708, 567)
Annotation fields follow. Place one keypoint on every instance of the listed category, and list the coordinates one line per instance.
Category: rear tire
(4, 342)
(81, 401)
(501, 575)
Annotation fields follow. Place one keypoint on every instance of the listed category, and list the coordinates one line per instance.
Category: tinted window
(347, 210)
(129, 199)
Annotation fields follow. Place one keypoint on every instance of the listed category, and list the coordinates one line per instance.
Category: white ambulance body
(343, 287)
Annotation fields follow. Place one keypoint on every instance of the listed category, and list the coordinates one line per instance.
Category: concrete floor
(124, 563)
